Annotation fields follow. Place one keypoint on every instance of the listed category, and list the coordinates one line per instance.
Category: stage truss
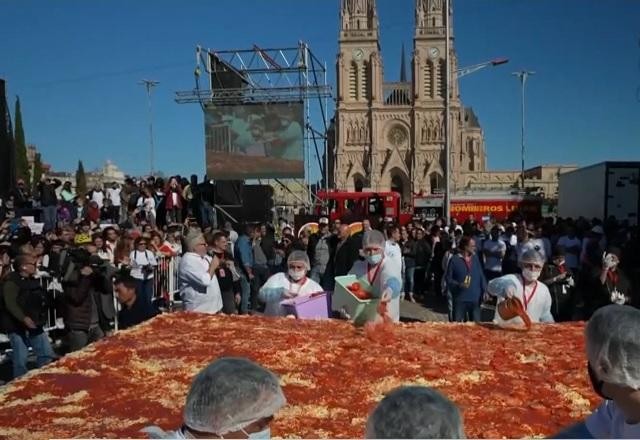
(270, 76)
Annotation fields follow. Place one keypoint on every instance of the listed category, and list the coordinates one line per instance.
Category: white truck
(600, 191)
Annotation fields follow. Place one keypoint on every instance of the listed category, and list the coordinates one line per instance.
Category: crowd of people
(115, 242)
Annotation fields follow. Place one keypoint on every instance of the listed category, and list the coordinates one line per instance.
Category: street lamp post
(149, 85)
(522, 75)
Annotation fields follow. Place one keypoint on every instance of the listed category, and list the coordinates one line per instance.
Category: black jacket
(47, 192)
(31, 301)
(560, 290)
(423, 253)
(342, 255)
(79, 292)
(139, 312)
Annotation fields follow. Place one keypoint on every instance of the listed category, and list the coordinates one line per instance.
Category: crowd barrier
(165, 293)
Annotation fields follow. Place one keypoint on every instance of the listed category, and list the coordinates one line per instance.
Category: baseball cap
(597, 230)
(323, 221)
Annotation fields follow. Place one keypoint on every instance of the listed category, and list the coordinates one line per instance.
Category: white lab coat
(389, 276)
(393, 253)
(200, 292)
(608, 421)
(272, 292)
(539, 306)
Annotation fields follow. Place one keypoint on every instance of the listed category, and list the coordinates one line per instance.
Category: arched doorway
(400, 184)
(358, 182)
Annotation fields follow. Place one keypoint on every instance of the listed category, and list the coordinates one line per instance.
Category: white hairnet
(613, 345)
(230, 394)
(415, 412)
(373, 238)
(299, 257)
(532, 256)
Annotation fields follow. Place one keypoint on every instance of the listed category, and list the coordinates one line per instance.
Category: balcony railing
(397, 94)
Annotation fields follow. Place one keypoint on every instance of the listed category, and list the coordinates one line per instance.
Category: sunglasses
(532, 266)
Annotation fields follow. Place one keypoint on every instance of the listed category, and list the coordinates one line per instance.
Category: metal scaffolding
(268, 76)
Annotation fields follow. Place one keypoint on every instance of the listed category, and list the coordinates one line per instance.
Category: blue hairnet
(230, 394)
(415, 412)
(532, 256)
(373, 238)
(613, 345)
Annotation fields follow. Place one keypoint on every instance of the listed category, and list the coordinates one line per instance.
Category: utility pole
(523, 75)
(149, 84)
(447, 117)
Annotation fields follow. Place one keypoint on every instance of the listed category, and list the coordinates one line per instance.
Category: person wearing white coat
(199, 288)
(383, 274)
(612, 339)
(288, 285)
(533, 294)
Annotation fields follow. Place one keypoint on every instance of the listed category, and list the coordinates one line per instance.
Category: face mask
(530, 275)
(374, 259)
(596, 383)
(297, 275)
(264, 434)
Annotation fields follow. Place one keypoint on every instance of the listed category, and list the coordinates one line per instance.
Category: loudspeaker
(229, 192)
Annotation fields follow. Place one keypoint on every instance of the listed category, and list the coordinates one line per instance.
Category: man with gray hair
(230, 398)
(613, 353)
(199, 288)
(533, 294)
(415, 412)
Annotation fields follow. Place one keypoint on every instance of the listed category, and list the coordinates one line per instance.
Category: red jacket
(168, 199)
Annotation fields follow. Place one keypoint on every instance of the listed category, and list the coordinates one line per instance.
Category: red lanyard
(468, 263)
(375, 273)
(613, 277)
(524, 293)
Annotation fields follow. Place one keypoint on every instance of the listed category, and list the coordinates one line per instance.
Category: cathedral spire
(403, 70)
(358, 15)
(430, 18)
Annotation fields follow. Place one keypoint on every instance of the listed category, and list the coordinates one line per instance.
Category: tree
(22, 163)
(81, 180)
(37, 171)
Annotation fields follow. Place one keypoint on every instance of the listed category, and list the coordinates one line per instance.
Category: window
(437, 182)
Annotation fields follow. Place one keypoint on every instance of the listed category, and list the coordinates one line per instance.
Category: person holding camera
(558, 277)
(23, 313)
(88, 303)
(143, 263)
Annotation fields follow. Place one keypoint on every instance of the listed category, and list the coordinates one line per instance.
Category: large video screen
(255, 141)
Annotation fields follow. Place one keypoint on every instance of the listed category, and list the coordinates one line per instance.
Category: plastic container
(314, 306)
(360, 311)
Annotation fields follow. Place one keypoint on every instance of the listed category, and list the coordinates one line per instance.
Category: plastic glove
(608, 261)
(617, 297)
(386, 295)
(571, 282)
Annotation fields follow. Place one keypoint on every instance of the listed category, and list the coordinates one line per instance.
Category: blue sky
(76, 64)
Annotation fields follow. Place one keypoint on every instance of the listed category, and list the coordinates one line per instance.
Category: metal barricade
(166, 285)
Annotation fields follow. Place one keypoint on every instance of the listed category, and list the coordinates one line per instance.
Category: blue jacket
(243, 252)
(457, 271)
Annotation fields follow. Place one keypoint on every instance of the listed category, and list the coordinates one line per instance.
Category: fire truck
(355, 206)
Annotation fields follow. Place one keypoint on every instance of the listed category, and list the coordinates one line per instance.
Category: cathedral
(391, 135)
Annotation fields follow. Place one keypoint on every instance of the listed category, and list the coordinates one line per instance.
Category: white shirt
(114, 196)
(494, 264)
(571, 260)
(98, 197)
(272, 293)
(174, 198)
(140, 259)
(199, 290)
(608, 421)
(538, 304)
(393, 252)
